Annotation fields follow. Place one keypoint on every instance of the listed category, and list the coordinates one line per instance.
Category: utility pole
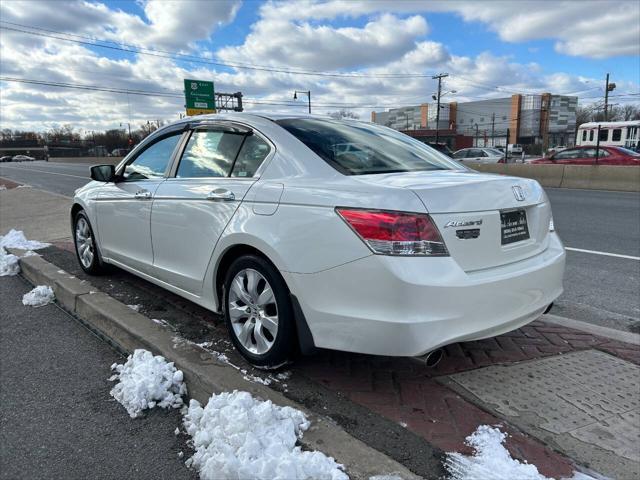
(609, 87)
(493, 129)
(598, 143)
(506, 148)
(476, 145)
(439, 77)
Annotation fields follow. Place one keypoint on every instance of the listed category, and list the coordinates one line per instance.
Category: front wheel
(258, 312)
(86, 247)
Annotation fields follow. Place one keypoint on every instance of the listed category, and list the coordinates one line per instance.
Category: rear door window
(209, 153)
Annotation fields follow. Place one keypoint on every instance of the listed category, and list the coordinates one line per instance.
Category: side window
(460, 154)
(152, 162)
(209, 153)
(253, 152)
(603, 136)
(584, 135)
(591, 135)
(616, 136)
(564, 154)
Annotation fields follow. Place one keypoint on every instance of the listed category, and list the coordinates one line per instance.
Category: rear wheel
(258, 312)
(86, 247)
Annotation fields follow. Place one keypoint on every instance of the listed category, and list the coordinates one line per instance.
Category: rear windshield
(627, 151)
(356, 148)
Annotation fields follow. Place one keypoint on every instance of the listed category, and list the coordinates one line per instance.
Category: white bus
(612, 134)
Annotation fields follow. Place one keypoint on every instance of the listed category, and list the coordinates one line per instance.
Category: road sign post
(199, 97)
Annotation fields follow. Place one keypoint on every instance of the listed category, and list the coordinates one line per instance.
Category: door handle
(142, 195)
(221, 195)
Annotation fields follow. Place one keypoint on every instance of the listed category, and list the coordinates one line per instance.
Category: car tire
(261, 326)
(86, 247)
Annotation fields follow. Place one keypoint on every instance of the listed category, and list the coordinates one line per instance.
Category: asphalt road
(600, 289)
(57, 418)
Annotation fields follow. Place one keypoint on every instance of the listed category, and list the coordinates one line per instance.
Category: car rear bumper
(408, 306)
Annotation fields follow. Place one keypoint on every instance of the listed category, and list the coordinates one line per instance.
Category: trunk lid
(469, 209)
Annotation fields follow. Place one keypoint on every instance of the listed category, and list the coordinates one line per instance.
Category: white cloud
(352, 36)
(276, 41)
(597, 29)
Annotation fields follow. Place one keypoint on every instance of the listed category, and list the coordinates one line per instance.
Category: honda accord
(309, 232)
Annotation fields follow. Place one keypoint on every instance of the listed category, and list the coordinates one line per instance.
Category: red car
(586, 155)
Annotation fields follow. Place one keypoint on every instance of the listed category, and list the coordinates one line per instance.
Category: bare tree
(343, 113)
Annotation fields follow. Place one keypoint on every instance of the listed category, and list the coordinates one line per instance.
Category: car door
(193, 206)
(124, 207)
(474, 155)
(567, 157)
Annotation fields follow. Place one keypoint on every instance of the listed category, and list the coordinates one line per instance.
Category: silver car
(479, 155)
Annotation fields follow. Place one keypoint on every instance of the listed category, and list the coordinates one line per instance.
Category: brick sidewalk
(405, 391)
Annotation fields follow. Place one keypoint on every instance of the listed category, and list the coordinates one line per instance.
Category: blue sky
(489, 49)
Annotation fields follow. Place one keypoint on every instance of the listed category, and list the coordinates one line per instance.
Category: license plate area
(514, 226)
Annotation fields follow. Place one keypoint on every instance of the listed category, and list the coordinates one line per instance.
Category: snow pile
(39, 296)
(16, 239)
(491, 459)
(146, 381)
(239, 437)
(8, 263)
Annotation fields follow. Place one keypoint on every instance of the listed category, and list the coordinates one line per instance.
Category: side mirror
(103, 173)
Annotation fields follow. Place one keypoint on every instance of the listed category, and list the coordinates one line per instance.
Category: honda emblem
(518, 192)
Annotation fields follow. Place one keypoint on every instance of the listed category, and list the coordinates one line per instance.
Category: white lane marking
(44, 171)
(607, 254)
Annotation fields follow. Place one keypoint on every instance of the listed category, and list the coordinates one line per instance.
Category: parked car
(514, 149)
(119, 152)
(383, 247)
(6, 158)
(22, 158)
(586, 155)
(479, 155)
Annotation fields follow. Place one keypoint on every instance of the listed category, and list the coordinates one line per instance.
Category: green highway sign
(199, 97)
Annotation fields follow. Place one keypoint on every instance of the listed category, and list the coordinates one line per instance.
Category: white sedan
(309, 232)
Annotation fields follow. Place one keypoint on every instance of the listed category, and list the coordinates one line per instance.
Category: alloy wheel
(253, 311)
(84, 242)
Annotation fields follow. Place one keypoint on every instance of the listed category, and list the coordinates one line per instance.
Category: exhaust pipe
(432, 358)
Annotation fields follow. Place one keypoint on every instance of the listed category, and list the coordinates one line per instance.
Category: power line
(203, 60)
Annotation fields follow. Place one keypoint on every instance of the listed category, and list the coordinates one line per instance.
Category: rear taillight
(395, 233)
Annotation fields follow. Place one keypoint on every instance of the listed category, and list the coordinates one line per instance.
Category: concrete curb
(128, 330)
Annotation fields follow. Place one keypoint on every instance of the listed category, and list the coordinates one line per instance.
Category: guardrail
(590, 177)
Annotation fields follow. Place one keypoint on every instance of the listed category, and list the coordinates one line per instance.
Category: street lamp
(307, 93)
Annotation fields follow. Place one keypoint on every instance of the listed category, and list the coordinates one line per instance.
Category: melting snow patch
(39, 296)
(3, 187)
(256, 379)
(236, 436)
(16, 239)
(135, 308)
(8, 263)
(492, 460)
(146, 381)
